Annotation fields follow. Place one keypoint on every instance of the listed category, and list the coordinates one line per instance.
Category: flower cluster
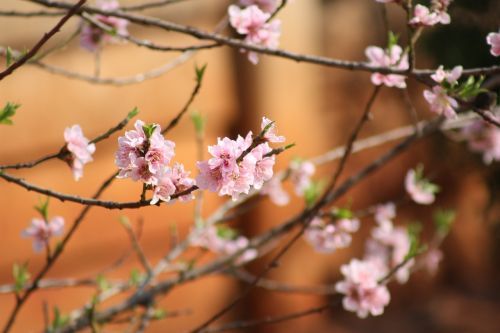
(392, 57)
(425, 16)
(41, 231)
(363, 294)
(327, 237)
(420, 189)
(252, 22)
(144, 154)
(493, 39)
(92, 37)
(226, 241)
(238, 165)
(439, 100)
(80, 149)
(483, 138)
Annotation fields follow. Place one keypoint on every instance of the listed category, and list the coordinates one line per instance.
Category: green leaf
(59, 320)
(443, 220)
(43, 208)
(159, 314)
(136, 277)
(392, 39)
(124, 221)
(199, 122)
(102, 283)
(416, 248)
(8, 111)
(226, 232)
(21, 276)
(200, 72)
(342, 213)
(133, 113)
(8, 56)
(149, 129)
(312, 193)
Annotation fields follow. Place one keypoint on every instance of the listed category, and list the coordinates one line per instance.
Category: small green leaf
(200, 72)
(199, 122)
(159, 314)
(102, 283)
(226, 232)
(416, 248)
(133, 113)
(43, 208)
(443, 220)
(392, 39)
(21, 276)
(8, 56)
(312, 193)
(59, 320)
(342, 213)
(8, 111)
(149, 129)
(136, 277)
(124, 221)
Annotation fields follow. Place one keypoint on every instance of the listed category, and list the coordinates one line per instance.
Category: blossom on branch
(393, 57)
(275, 191)
(327, 237)
(423, 16)
(252, 22)
(483, 138)
(421, 190)
(268, 6)
(493, 39)
(80, 149)
(300, 175)
(450, 76)
(363, 294)
(93, 37)
(41, 231)
(440, 102)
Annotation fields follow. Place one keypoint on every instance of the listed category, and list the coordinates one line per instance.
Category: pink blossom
(420, 189)
(483, 138)
(450, 76)
(388, 248)
(271, 135)
(385, 213)
(164, 188)
(275, 192)
(440, 102)
(225, 241)
(240, 180)
(252, 22)
(327, 237)
(432, 259)
(422, 16)
(263, 165)
(392, 58)
(363, 294)
(143, 158)
(92, 37)
(301, 172)
(268, 6)
(493, 39)
(42, 231)
(80, 149)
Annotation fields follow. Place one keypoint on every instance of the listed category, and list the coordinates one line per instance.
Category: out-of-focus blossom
(392, 58)
(483, 138)
(225, 241)
(252, 22)
(363, 294)
(493, 39)
(384, 214)
(92, 37)
(80, 149)
(440, 102)
(268, 6)
(423, 16)
(450, 76)
(327, 237)
(301, 172)
(388, 248)
(440, 7)
(420, 189)
(431, 260)
(276, 192)
(271, 135)
(41, 231)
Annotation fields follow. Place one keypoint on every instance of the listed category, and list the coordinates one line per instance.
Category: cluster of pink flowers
(483, 138)
(235, 168)
(267, 6)
(300, 175)
(393, 57)
(327, 237)
(439, 100)
(363, 294)
(225, 241)
(252, 22)
(144, 154)
(92, 37)
(420, 189)
(425, 16)
(493, 39)
(41, 231)
(80, 149)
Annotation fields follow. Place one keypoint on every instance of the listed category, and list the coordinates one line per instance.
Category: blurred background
(313, 106)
